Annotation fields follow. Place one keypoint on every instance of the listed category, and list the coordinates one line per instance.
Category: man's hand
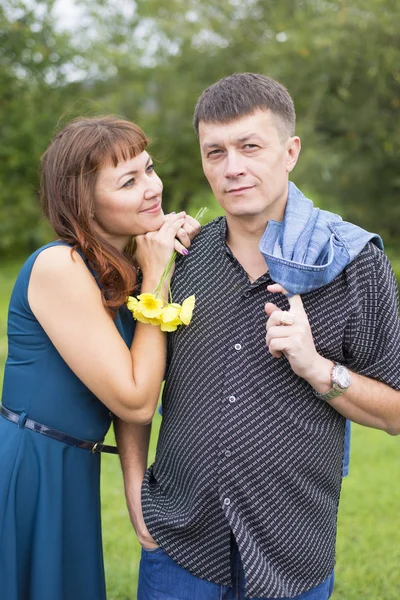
(134, 504)
(289, 334)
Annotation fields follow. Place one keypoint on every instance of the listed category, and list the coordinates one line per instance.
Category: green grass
(368, 545)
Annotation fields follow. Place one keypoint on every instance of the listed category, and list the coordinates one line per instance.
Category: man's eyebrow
(240, 140)
(208, 146)
(249, 136)
(133, 172)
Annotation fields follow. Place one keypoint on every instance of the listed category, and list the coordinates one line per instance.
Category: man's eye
(250, 146)
(214, 153)
(129, 183)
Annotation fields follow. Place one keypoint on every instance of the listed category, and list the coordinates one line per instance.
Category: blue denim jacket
(308, 249)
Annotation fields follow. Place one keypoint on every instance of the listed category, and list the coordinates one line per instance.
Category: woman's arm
(66, 300)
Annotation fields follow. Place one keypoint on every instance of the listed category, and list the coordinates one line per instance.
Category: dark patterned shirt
(245, 446)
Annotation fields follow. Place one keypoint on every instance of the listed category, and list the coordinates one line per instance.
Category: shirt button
(228, 453)
(232, 399)
(227, 502)
(238, 346)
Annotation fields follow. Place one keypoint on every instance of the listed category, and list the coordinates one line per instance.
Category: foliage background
(148, 61)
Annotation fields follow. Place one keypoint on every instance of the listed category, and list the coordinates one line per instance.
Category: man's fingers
(276, 316)
(295, 302)
(270, 308)
(277, 346)
(276, 288)
(274, 353)
(279, 332)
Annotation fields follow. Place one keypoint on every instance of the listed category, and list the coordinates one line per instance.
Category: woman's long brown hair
(69, 171)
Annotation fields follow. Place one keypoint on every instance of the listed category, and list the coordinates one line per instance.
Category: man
(242, 499)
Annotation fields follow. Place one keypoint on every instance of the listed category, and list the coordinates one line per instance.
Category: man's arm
(133, 446)
(367, 401)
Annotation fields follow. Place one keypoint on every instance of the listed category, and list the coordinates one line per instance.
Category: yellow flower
(170, 312)
(171, 325)
(139, 317)
(132, 304)
(149, 306)
(187, 310)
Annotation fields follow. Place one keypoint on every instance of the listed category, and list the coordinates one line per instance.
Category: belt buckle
(95, 447)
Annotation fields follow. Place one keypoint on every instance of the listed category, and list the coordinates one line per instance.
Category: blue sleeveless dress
(50, 528)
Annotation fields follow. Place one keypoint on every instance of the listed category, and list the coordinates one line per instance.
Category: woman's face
(128, 200)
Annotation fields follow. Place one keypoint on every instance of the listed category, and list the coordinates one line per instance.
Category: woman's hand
(155, 248)
(189, 230)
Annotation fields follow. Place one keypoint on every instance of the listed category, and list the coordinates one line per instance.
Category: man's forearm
(367, 401)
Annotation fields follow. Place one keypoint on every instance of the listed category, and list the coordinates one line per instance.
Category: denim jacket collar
(310, 247)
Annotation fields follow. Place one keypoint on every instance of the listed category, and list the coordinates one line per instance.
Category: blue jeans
(161, 578)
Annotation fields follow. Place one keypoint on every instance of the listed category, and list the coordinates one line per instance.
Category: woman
(72, 363)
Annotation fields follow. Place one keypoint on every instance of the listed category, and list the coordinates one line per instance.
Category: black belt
(22, 421)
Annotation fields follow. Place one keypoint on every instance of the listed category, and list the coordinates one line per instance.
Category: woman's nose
(153, 189)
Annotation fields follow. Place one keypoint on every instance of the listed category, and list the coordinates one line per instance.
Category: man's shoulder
(204, 253)
(371, 270)
(370, 257)
(210, 234)
(212, 226)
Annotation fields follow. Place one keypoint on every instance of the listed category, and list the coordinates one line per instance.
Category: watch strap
(335, 391)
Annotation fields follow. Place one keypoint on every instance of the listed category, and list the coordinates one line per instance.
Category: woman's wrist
(149, 284)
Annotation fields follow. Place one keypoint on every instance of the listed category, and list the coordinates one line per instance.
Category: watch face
(341, 376)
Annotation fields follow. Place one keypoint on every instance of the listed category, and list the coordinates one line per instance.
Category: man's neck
(244, 233)
(243, 237)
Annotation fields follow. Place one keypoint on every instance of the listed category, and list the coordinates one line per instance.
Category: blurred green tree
(34, 66)
(149, 61)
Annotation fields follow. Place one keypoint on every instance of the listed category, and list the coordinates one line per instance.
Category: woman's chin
(152, 222)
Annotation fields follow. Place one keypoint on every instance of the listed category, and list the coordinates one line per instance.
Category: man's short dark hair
(242, 94)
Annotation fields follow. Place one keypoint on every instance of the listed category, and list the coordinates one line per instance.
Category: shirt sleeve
(372, 337)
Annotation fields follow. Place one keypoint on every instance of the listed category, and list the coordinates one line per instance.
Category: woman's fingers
(192, 227)
(180, 248)
(169, 229)
(183, 237)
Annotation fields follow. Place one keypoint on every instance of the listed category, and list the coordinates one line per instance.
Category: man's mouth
(240, 190)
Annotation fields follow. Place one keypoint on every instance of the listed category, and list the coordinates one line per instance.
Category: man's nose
(234, 165)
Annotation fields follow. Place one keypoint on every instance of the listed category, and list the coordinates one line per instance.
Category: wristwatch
(340, 379)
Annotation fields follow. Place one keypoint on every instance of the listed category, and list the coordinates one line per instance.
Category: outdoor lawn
(368, 549)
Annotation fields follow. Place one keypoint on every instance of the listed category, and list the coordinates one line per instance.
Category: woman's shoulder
(48, 261)
(46, 252)
(54, 256)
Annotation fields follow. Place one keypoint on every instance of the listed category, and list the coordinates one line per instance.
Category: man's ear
(293, 151)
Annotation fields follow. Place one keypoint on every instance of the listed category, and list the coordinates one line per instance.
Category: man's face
(247, 162)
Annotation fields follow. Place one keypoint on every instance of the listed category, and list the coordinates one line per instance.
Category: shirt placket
(237, 355)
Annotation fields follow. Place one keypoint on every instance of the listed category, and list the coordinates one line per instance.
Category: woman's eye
(129, 183)
(150, 168)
